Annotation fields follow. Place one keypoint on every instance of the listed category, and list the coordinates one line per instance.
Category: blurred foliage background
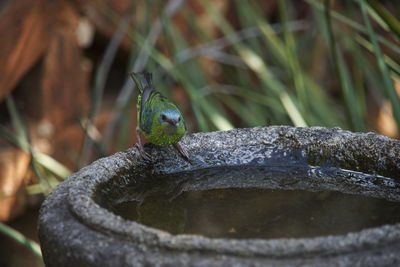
(66, 98)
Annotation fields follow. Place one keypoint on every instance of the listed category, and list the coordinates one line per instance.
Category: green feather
(159, 120)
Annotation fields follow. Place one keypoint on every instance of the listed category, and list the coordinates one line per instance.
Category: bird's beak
(173, 122)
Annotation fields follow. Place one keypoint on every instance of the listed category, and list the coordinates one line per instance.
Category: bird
(158, 119)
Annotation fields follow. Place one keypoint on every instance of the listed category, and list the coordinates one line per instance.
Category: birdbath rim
(71, 208)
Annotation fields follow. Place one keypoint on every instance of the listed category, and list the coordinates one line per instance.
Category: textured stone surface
(75, 230)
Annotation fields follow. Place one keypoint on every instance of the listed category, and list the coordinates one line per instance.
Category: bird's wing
(145, 97)
(144, 83)
(151, 101)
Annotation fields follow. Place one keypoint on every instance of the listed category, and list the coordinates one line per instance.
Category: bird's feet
(183, 151)
(143, 153)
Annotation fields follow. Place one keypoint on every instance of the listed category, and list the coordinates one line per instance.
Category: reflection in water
(255, 202)
(260, 213)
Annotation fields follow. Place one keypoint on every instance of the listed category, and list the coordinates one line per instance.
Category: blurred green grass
(269, 77)
(324, 63)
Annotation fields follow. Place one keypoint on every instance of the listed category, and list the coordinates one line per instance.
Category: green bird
(158, 119)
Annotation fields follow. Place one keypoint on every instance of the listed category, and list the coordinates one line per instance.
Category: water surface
(255, 202)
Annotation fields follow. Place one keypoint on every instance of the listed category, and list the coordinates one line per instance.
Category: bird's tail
(143, 80)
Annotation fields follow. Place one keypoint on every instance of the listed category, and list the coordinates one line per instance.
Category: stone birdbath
(264, 196)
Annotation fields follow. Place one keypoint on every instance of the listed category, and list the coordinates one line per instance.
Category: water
(256, 202)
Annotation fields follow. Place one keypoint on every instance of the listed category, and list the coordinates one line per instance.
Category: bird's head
(171, 120)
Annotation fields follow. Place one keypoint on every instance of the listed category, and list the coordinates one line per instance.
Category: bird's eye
(179, 119)
(163, 117)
